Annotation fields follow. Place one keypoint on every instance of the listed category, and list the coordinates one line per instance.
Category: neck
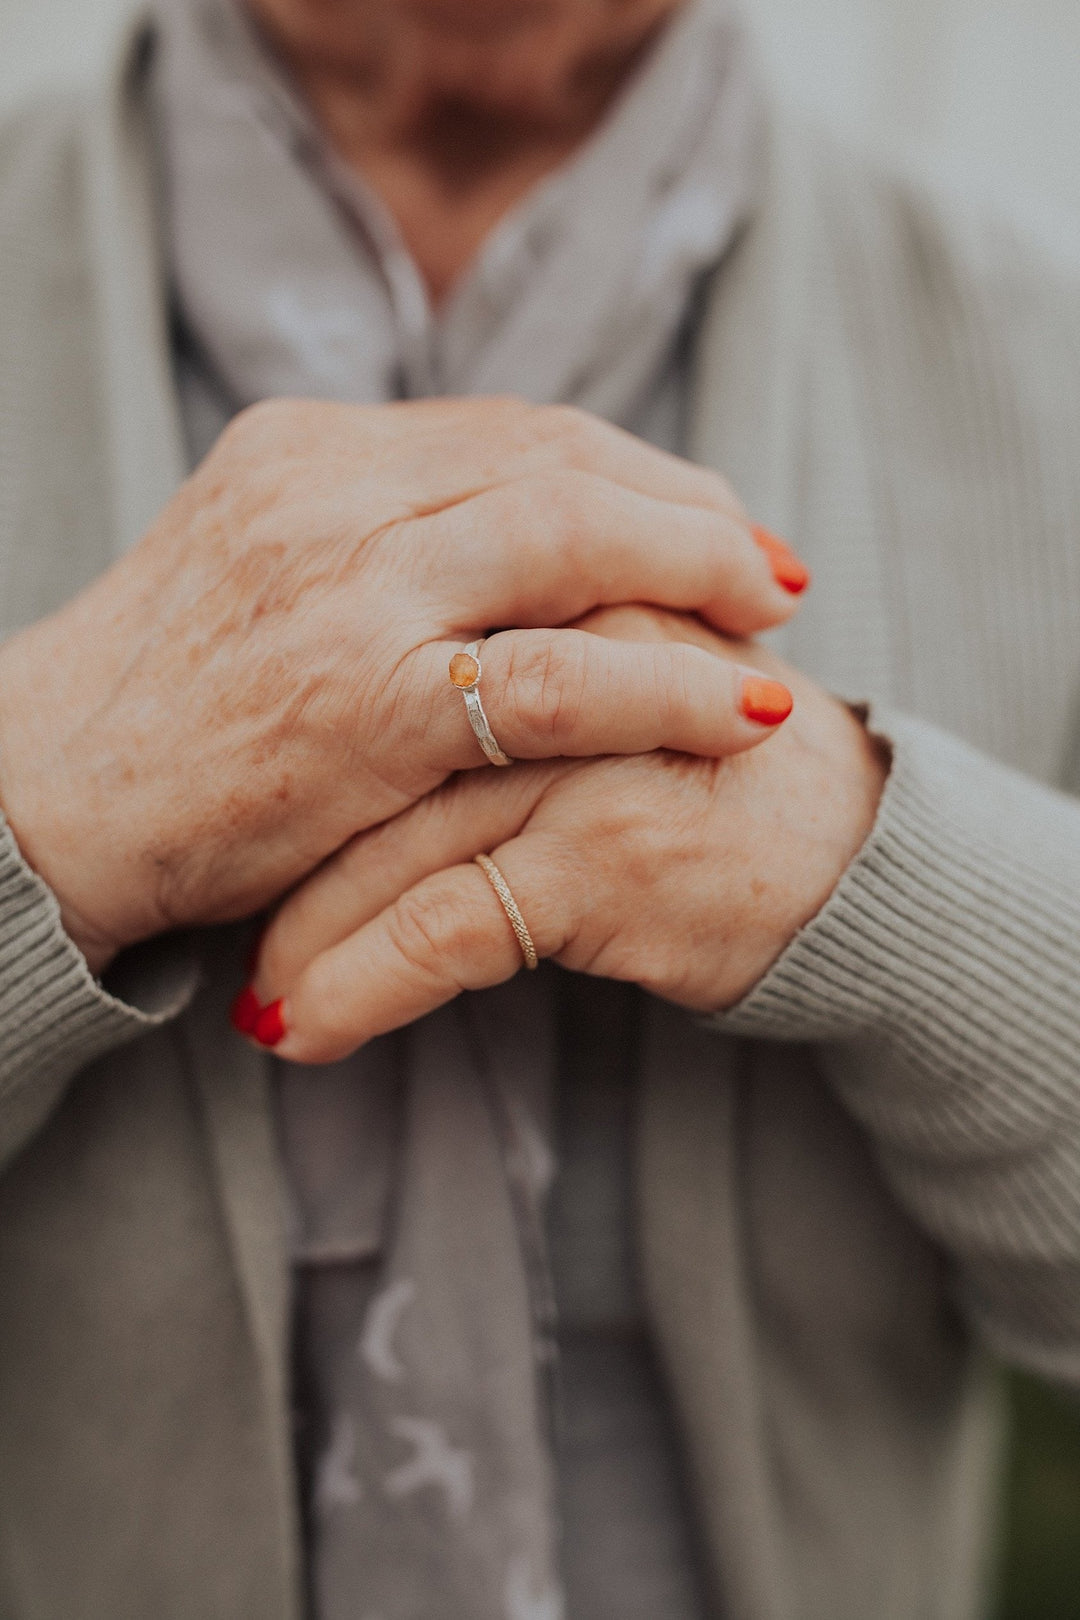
(450, 140)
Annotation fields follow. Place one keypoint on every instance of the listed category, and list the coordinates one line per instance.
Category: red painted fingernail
(767, 702)
(245, 1010)
(270, 1024)
(787, 569)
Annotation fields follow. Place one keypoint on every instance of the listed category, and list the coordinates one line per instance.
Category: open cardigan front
(846, 1185)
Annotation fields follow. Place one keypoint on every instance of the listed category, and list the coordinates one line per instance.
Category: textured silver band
(510, 906)
(475, 711)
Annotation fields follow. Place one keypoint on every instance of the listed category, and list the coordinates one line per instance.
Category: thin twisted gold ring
(511, 907)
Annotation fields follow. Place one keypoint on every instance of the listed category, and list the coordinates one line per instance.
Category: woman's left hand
(687, 876)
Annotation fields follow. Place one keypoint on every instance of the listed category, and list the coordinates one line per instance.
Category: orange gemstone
(464, 670)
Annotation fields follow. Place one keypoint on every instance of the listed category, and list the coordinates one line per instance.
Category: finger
(590, 444)
(548, 548)
(473, 810)
(479, 810)
(446, 934)
(565, 693)
(634, 621)
(489, 441)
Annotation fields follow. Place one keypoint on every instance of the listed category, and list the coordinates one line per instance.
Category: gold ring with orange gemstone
(465, 672)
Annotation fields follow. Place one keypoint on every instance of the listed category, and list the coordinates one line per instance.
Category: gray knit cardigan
(866, 1172)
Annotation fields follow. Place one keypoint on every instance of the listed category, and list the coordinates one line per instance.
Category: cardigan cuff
(956, 928)
(55, 1017)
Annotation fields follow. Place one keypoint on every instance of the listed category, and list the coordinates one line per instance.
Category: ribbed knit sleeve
(942, 983)
(54, 1016)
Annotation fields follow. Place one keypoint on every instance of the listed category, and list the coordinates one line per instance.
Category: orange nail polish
(787, 569)
(244, 1012)
(270, 1024)
(767, 702)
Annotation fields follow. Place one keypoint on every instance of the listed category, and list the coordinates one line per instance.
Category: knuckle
(511, 508)
(506, 420)
(548, 681)
(430, 930)
(255, 423)
(561, 506)
(570, 427)
(279, 425)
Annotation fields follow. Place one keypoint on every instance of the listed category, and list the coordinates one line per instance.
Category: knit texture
(55, 1018)
(950, 936)
(897, 388)
(943, 976)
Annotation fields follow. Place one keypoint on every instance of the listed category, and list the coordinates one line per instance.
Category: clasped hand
(257, 680)
(685, 875)
(258, 692)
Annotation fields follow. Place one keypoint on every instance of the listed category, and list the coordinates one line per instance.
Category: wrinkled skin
(686, 876)
(265, 674)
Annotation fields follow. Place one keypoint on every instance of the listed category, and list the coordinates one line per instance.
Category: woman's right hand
(265, 674)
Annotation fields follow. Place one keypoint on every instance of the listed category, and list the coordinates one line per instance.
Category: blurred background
(992, 88)
(993, 85)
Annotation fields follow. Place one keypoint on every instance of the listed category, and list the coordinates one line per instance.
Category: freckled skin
(264, 674)
(250, 686)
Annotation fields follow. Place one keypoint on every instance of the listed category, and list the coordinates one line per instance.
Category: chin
(546, 62)
(485, 19)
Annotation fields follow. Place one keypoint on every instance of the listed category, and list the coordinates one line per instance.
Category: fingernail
(787, 569)
(767, 702)
(270, 1024)
(245, 1010)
